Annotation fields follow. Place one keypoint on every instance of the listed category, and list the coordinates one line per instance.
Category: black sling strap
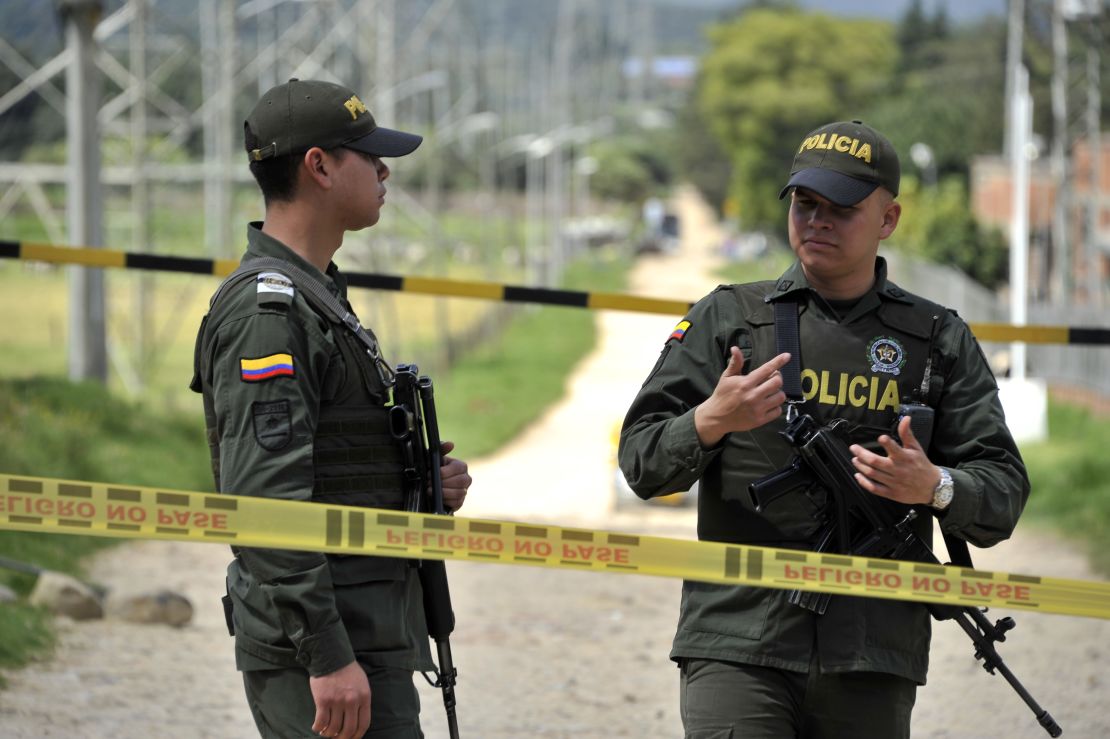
(787, 340)
(320, 298)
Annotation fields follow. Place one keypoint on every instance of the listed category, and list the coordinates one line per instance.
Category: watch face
(942, 495)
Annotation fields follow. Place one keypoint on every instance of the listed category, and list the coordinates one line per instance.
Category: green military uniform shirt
(859, 362)
(296, 411)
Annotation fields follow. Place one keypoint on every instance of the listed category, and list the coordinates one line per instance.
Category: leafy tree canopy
(631, 166)
(770, 76)
(936, 224)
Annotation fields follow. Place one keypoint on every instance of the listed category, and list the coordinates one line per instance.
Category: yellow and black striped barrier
(129, 512)
(89, 257)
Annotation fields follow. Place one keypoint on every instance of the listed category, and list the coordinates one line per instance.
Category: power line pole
(1096, 290)
(1060, 285)
(87, 352)
(1021, 130)
(140, 191)
(385, 77)
(644, 48)
(562, 118)
(217, 38)
(1014, 43)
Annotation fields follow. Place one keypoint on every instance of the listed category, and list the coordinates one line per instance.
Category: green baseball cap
(297, 115)
(844, 162)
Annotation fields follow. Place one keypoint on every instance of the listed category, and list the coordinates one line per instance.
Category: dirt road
(544, 653)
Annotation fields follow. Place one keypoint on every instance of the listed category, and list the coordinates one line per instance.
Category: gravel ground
(542, 652)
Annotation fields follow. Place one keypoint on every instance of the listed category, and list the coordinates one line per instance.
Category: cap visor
(385, 142)
(833, 186)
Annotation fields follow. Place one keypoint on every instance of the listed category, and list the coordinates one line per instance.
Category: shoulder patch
(265, 368)
(274, 287)
(273, 426)
(680, 330)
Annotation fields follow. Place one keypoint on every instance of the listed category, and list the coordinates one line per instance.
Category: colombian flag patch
(680, 330)
(263, 368)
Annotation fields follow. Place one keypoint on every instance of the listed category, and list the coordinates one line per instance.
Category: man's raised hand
(741, 402)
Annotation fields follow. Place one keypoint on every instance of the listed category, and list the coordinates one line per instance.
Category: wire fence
(1082, 367)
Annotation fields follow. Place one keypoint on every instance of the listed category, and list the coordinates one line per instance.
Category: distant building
(991, 204)
(675, 72)
(663, 90)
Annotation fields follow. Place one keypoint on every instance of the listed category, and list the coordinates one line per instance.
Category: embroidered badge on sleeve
(274, 282)
(274, 288)
(680, 331)
(264, 368)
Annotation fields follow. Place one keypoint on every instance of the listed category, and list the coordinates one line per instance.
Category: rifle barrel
(983, 635)
(826, 456)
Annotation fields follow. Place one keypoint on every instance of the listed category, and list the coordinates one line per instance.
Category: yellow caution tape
(96, 257)
(100, 509)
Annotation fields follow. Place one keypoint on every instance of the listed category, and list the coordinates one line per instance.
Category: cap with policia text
(295, 116)
(844, 162)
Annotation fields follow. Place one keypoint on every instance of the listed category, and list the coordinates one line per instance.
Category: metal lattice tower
(431, 66)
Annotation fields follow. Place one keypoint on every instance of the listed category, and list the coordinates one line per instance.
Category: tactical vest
(356, 461)
(859, 371)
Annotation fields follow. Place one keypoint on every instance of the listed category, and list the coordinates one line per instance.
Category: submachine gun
(413, 423)
(856, 523)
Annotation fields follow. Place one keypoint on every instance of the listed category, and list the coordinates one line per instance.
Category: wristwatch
(942, 493)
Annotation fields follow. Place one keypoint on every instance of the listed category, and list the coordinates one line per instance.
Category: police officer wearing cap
(295, 409)
(752, 664)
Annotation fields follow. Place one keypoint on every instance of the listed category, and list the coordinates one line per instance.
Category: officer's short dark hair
(276, 176)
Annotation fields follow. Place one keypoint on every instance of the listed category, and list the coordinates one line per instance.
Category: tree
(698, 156)
(770, 76)
(937, 224)
(948, 92)
(631, 166)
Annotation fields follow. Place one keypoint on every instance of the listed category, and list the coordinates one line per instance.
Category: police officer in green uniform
(751, 664)
(295, 410)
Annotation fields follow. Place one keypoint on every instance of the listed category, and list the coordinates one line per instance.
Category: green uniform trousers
(282, 704)
(726, 700)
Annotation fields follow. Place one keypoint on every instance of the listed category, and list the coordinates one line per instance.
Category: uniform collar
(793, 282)
(261, 244)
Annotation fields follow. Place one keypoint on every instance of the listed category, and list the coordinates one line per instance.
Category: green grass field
(146, 427)
(1070, 476)
(496, 389)
(50, 427)
(767, 267)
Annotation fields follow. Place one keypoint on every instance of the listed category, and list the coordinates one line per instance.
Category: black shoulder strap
(958, 552)
(321, 299)
(787, 340)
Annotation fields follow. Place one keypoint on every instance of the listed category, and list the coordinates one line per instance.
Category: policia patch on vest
(886, 355)
(273, 424)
